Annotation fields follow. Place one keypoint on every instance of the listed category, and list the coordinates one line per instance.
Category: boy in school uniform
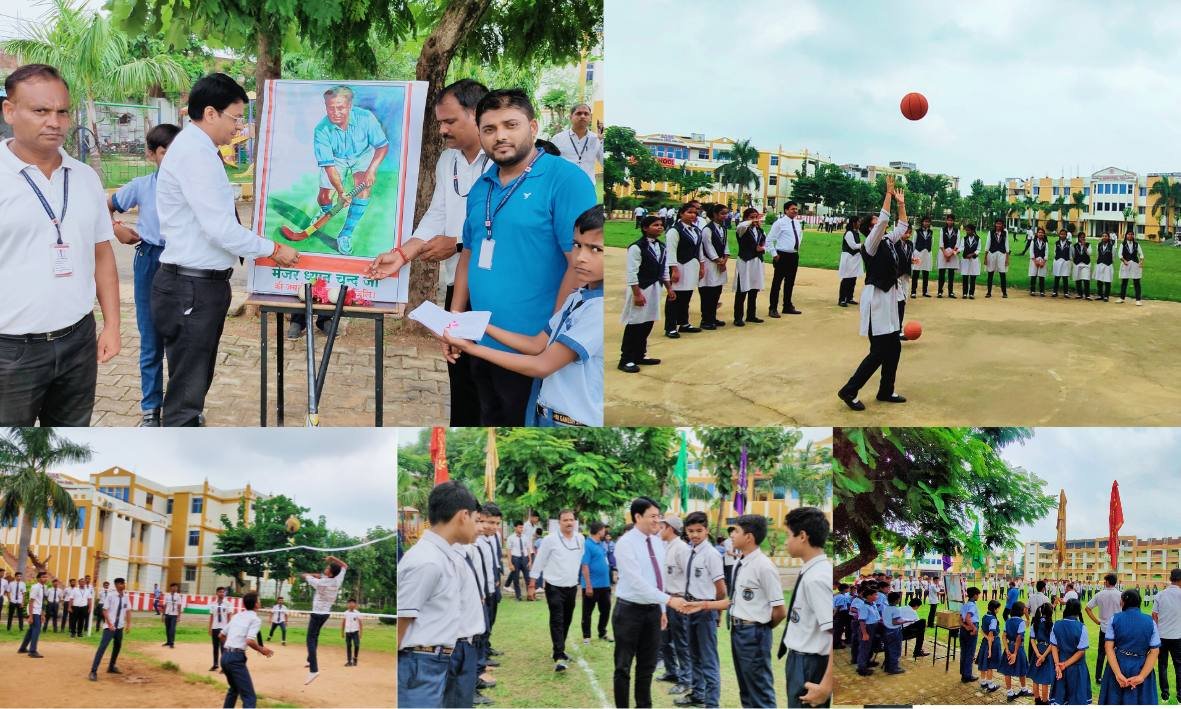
(892, 623)
(325, 588)
(914, 627)
(686, 269)
(705, 588)
(949, 256)
(439, 609)
(1062, 264)
(807, 639)
(53, 602)
(174, 605)
(924, 244)
(868, 620)
(756, 608)
(16, 601)
(1039, 265)
(149, 244)
(748, 276)
(1081, 257)
(840, 615)
(350, 630)
(678, 665)
(238, 635)
(646, 273)
(98, 598)
(715, 254)
(997, 260)
(116, 622)
(36, 606)
(969, 260)
(491, 540)
(565, 359)
(278, 620)
(1104, 267)
(969, 631)
(220, 612)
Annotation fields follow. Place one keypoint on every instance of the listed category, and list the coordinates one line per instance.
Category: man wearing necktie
(116, 621)
(785, 240)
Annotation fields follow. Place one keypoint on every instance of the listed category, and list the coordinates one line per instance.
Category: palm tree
(808, 471)
(1080, 204)
(94, 59)
(27, 491)
(1168, 199)
(1061, 208)
(1030, 206)
(738, 171)
(1129, 216)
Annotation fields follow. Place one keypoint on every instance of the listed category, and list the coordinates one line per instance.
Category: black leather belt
(46, 336)
(621, 602)
(203, 273)
(558, 417)
(740, 621)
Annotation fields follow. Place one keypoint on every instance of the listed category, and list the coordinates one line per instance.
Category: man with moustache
(55, 258)
(438, 232)
(518, 238)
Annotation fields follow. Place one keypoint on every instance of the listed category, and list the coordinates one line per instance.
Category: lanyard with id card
(62, 266)
(489, 245)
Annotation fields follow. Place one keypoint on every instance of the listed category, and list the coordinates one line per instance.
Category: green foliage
(533, 32)
(690, 181)
(808, 471)
(721, 451)
(739, 171)
(267, 531)
(1168, 200)
(626, 161)
(923, 488)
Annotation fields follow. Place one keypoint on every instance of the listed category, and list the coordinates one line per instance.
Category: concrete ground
(986, 362)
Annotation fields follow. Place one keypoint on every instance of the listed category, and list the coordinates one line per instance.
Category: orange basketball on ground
(914, 106)
(913, 330)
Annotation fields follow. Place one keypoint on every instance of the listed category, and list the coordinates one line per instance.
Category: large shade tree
(925, 488)
(28, 491)
(721, 453)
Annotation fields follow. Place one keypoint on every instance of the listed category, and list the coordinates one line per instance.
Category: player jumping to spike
(348, 139)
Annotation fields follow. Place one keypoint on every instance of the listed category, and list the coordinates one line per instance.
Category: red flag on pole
(1115, 520)
(439, 453)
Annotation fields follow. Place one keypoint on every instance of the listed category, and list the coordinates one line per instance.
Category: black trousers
(561, 601)
(601, 599)
(884, 352)
(214, 634)
(635, 342)
(1004, 282)
(637, 637)
(465, 397)
(519, 573)
(1123, 287)
(1167, 648)
(238, 681)
(352, 646)
(1082, 288)
(170, 629)
(504, 394)
(750, 297)
(315, 622)
(949, 274)
(785, 266)
(969, 285)
(51, 383)
(108, 636)
(710, 297)
(190, 314)
(846, 291)
(77, 620)
(916, 631)
(932, 607)
(676, 312)
(281, 626)
(1037, 283)
(19, 610)
(50, 615)
(914, 281)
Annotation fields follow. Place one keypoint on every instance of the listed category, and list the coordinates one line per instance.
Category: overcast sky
(345, 474)
(1015, 88)
(1086, 461)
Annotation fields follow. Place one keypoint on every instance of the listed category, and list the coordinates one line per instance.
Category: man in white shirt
(678, 667)
(640, 603)
(16, 601)
(220, 612)
(729, 559)
(238, 635)
(639, 213)
(53, 604)
(326, 587)
(579, 145)
(116, 622)
(560, 559)
(1166, 611)
(519, 550)
(55, 257)
(174, 605)
(203, 240)
(1108, 602)
(278, 619)
(36, 607)
(437, 236)
(784, 242)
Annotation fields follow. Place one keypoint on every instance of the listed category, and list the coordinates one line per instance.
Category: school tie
(787, 621)
(689, 570)
(472, 566)
(655, 566)
(119, 614)
(484, 583)
(733, 588)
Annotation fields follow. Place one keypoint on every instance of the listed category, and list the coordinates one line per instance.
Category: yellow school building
(902, 562)
(135, 528)
(1109, 200)
(1142, 561)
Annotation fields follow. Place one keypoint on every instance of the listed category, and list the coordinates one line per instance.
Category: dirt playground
(1019, 361)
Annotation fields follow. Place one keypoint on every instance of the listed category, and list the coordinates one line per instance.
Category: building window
(82, 518)
(168, 509)
(57, 519)
(119, 493)
(1141, 210)
(198, 505)
(190, 574)
(590, 72)
(774, 160)
(1037, 191)
(194, 537)
(774, 180)
(1055, 191)
(149, 500)
(770, 203)
(1143, 191)
(703, 154)
(1086, 191)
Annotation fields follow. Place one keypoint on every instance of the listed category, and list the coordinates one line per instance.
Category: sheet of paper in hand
(469, 326)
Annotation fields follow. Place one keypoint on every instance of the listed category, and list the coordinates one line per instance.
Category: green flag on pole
(682, 472)
(977, 547)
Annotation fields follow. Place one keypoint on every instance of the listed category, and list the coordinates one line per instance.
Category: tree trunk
(867, 551)
(458, 20)
(268, 65)
(94, 157)
(22, 549)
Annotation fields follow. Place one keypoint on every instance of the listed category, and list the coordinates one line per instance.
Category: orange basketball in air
(914, 106)
(913, 330)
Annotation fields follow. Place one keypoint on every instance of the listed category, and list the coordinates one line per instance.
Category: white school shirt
(173, 603)
(637, 574)
(430, 592)
(220, 612)
(35, 300)
(195, 203)
(704, 568)
(481, 556)
(52, 594)
(932, 593)
(585, 152)
(757, 588)
(1167, 607)
(241, 628)
(810, 625)
(16, 592)
(638, 211)
(1108, 603)
(1036, 600)
(676, 557)
(728, 545)
(518, 545)
(530, 531)
(326, 590)
(36, 597)
(118, 610)
(560, 559)
(279, 613)
(576, 389)
(76, 596)
(879, 308)
(786, 235)
(352, 621)
(454, 177)
(471, 603)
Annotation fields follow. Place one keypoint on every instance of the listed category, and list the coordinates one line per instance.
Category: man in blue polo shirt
(517, 242)
(145, 237)
(596, 582)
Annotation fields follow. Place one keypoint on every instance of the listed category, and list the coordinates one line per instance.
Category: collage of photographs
(364, 266)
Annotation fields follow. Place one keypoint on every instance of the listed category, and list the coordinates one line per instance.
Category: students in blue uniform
(892, 632)
(1132, 648)
(1041, 663)
(1014, 662)
(840, 614)
(1068, 648)
(969, 631)
(868, 620)
(988, 659)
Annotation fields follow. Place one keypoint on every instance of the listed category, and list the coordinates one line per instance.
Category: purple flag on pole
(946, 562)
(740, 495)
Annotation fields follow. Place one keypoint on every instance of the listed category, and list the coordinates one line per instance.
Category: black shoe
(690, 329)
(629, 367)
(21, 651)
(560, 666)
(873, 663)
(1164, 697)
(114, 671)
(921, 653)
(481, 684)
(851, 402)
(214, 668)
(35, 654)
(926, 295)
(480, 700)
(708, 326)
(851, 301)
(680, 689)
(151, 419)
(972, 297)
(755, 320)
(773, 314)
(913, 295)
(939, 294)
(895, 672)
(649, 360)
(92, 677)
(865, 673)
(492, 663)
(988, 295)
(294, 331)
(793, 311)
(843, 304)
(606, 639)
(494, 652)
(966, 680)
(688, 701)
(892, 399)
(672, 334)
(951, 295)
(1004, 295)
(739, 323)
(719, 323)
(666, 677)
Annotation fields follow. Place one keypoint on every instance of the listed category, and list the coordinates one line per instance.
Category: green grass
(1162, 270)
(296, 207)
(526, 677)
